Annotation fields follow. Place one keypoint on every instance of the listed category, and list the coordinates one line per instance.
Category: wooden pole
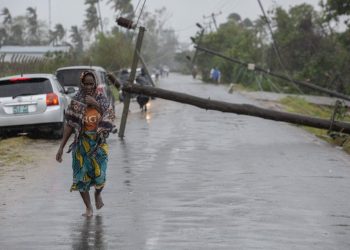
(131, 81)
(193, 62)
(241, 109)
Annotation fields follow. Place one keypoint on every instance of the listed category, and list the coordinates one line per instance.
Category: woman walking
(90, 117)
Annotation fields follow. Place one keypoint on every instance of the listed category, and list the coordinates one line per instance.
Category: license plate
(20, 109)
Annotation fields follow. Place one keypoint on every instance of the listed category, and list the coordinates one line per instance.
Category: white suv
(69, 77)
(32, 103)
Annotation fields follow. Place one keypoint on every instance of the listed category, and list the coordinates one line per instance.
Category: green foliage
(335, 8)
(183, 64)
(310, 53)
(115, 93)
(112, 51)
(234, 39)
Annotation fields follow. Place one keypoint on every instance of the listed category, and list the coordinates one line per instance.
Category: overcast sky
(182, 14)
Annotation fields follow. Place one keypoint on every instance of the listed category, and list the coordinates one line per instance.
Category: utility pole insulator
(212, 16)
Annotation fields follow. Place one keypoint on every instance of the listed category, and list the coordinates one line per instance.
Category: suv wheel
(58, 132)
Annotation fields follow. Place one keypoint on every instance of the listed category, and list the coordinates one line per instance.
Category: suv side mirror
(70, 90)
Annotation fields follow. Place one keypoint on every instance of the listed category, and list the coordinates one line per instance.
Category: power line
(138, 19)
(137, 6)
(223, 5)
(184, 29)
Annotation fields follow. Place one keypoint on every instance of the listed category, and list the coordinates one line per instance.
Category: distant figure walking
(141, 99)
(194, 71)
(215, 75)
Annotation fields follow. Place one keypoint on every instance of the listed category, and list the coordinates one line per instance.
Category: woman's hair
(85, 74)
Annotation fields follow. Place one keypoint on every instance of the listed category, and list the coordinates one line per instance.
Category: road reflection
(89, 234)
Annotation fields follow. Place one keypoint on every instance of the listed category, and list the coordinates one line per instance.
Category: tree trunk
(241, 109)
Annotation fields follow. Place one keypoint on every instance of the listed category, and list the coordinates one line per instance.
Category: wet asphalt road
(186, 178)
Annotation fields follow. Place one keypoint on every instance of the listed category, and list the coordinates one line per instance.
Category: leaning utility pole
(128, 24)
(199, 41)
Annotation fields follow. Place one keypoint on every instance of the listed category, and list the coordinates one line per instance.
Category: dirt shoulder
(23, 151)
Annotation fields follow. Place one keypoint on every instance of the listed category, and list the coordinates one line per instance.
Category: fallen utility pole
(301, 83)
(241, 109)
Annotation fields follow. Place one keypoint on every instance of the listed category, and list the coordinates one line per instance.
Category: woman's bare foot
(89, 212)
(98, 200)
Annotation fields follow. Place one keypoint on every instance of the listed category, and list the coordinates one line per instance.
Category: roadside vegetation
(301, 106)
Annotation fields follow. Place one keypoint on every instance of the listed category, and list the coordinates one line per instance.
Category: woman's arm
(68, 130)
(89, 100)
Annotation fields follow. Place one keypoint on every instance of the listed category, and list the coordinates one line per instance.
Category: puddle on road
(89, 233)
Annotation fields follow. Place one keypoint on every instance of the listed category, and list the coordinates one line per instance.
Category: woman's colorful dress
(89, 149)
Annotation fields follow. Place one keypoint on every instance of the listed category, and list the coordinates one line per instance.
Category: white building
(22, 53)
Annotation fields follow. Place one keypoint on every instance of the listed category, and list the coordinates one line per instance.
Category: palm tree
(123, 7)
(8, 18)
(76, 38)
(57, 34)
(17, 34)
(52, 37)
(3, 36)
(60, 31)
(92, 21)
(32, 20)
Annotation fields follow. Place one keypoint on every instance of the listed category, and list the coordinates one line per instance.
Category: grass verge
(301, 106)
(12, 151)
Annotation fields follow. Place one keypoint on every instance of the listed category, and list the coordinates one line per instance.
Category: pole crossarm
(301, 83)
(241, 109)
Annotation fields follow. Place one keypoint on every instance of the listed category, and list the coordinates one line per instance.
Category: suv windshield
(34, 86)
(69, 77)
